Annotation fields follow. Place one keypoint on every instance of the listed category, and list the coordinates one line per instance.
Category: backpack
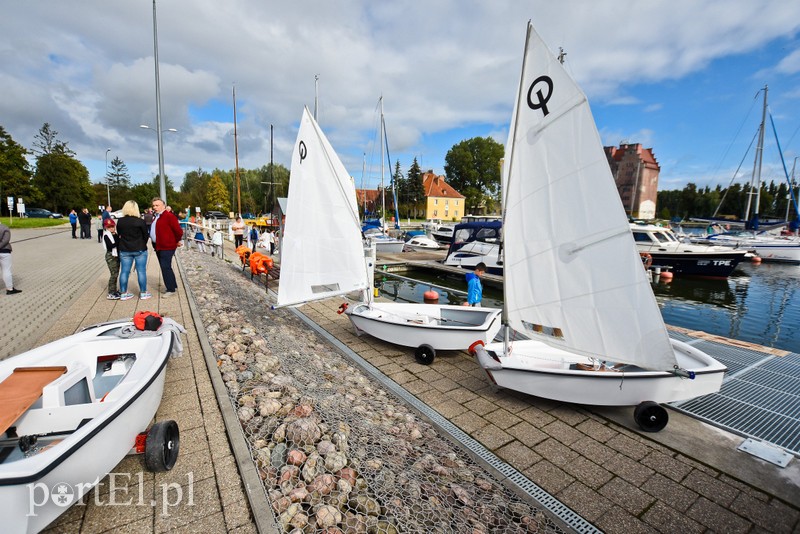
(147, 320)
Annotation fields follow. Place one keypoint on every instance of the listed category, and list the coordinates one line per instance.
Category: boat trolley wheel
(425, 354)
(651, 416)
(161, 446)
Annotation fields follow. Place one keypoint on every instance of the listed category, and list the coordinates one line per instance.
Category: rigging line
(785, 172)
(734, 175)
(736, 135)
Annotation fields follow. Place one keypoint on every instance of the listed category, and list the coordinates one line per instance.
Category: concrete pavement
(63, 284)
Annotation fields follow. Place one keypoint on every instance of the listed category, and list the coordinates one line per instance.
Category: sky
(682, 77)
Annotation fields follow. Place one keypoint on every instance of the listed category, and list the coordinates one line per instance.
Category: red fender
(342, 308)
(475, 345)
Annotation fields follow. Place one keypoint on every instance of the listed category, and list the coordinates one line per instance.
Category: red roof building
(635, 172)
(442, 201)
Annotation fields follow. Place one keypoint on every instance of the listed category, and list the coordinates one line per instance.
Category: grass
(17, 222)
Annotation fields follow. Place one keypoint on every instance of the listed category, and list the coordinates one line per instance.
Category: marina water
(758, 304)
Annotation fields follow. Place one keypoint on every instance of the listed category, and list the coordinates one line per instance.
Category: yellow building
(442, 201)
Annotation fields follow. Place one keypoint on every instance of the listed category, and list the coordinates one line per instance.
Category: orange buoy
(666, 276)
(755, 259)
(430, 297)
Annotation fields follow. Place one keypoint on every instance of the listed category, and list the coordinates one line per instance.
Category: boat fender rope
(474, 346)
(683, 373)
(342, 308)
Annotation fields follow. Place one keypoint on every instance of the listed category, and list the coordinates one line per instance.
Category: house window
(456, 203)
(446, 201)
(435, 201)
(435, 213)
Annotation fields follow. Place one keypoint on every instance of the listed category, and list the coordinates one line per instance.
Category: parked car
(41, 213)
(215, 215)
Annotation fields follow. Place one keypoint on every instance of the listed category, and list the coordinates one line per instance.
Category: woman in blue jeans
(133, 235)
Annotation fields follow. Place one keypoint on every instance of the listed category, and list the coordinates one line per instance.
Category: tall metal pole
(236, 152)
(270, 172)
(316, 94)
(161, 177)
(108, 188)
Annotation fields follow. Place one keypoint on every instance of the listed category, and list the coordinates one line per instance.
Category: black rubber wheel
(425, 354)
(651, 416)
(161, 446)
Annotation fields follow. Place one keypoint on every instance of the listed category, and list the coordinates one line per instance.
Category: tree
(217, 197)
(15, 172)
(416, 192)
(119, 182)
(47, 143)
(473, 169)
(63, 182)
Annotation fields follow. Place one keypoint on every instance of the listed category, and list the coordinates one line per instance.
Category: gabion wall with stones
(335, 451)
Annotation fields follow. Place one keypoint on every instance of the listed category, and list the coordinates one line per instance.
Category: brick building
(635, 172)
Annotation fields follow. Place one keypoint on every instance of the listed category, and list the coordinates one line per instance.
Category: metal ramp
(760, 397)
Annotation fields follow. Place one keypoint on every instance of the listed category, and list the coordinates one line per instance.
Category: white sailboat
(574, 282)
(323, 256)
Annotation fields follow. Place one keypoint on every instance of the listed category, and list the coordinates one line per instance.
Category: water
(758, 304)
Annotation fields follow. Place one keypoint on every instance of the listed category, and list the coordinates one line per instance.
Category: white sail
(572, 274)
(322, 252)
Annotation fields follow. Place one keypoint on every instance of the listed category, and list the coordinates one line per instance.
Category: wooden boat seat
(22, 388)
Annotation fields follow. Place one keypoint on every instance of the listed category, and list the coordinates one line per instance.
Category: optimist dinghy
(323, 256)
(73, 409)
(573, 280)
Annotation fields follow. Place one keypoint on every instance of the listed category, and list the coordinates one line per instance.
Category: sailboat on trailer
(323, 256)
(574, 283)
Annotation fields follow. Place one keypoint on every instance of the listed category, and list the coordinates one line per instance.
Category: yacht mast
(756, 179)
(383, 191)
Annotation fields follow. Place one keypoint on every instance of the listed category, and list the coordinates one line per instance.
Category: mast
(757, 165)
(236, 153)
(383, 191)
(271, 181)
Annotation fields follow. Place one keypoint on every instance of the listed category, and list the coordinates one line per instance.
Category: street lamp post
(108, 188)
(161, 178)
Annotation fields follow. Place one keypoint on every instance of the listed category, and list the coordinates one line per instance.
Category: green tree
(194, 187)
(416, 192)
(473, 169)
(217, 197)
(46, 142)
(15, 172)
(63, 182)
(119, 182)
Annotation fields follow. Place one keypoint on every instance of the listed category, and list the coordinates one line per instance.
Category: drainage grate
(760, 397)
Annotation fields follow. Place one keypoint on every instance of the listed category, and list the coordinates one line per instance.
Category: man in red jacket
(166, 234)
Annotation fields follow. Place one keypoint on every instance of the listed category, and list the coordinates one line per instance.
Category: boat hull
(29, 486)
(778, 252)
(537, 369)
(698, 265)
(443, 327)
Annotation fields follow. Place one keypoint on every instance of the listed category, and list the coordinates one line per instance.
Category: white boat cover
(573, 277)
(322, 252)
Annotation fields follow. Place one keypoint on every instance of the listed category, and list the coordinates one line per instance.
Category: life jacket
(147, 320)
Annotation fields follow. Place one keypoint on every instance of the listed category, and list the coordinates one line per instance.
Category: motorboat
(422, 244)
(767, 246)
(73, 409)
(581, 323)
(474, 243)
(663, 249)
(384, 244)
(323, 257)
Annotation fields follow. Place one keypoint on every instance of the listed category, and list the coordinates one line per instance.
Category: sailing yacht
(574, 283)
(324, 256)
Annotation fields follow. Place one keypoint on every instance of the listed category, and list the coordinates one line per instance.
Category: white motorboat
(323, 256)
(769, 247)
(384, 244)
(574, 282)
(72, 410)
(684, 259)
(421, 243)
(474, 243)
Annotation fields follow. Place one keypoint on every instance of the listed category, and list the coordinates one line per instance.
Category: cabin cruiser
(767, 246)
(476, 242)
(662, 248)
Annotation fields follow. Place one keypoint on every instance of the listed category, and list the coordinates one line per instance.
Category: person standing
(271, 240)
(253, 237)
(73, 221)
(132, 246)
(166, 234)
(148, 218)
(5, 259)
(100, 222)
(216, 243)
(112, 257)
(474, 286)
(85, 220)
(238, 232)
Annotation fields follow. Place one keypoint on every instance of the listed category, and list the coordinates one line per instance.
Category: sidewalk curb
(254, 489)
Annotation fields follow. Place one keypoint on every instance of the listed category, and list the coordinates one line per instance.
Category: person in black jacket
(85, 220)
(132, 232)
(112, 257)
